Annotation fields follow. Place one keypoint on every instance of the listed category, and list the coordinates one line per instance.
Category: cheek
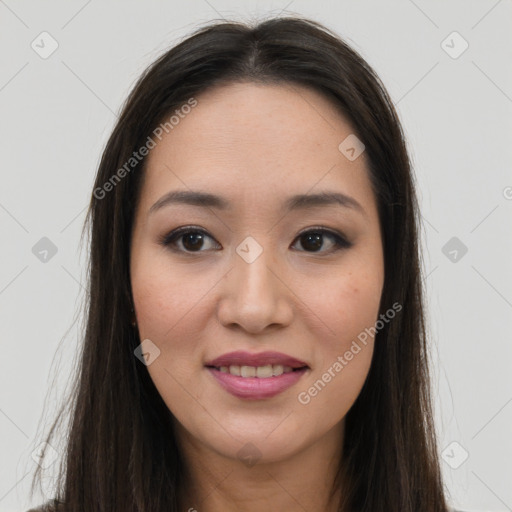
(349, 306)
(165, 300)
(167, 314)
(357, 307)
(173, 312)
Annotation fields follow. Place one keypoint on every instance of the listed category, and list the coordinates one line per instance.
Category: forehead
(247, 138)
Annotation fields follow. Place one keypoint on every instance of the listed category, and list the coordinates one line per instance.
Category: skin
(256, 145)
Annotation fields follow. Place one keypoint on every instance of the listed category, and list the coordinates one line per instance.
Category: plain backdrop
(447, 68)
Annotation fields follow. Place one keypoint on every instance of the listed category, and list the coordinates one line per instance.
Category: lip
(255, 388)
(242, 358)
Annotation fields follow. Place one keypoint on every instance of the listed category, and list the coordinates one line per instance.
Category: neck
(303, 481)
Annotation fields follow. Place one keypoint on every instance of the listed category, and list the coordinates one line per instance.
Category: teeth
(234, 369)
(262, 372)
(247, 371)
(277, 370)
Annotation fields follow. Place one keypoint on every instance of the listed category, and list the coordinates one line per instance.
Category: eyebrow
(296, 202)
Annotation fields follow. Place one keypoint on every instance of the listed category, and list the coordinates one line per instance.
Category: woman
(255, 336)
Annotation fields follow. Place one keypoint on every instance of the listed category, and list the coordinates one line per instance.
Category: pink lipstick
(256, 376)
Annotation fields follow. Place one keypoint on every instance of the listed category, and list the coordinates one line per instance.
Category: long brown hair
(121, 453)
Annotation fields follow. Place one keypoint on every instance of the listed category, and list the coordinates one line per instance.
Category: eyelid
(341, 241)
(168, 238)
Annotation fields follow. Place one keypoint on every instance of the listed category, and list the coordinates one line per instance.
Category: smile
(252, 387)
(256, 376)
(261, 372)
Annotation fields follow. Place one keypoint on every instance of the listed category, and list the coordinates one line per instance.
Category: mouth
(243, 359)
(259, 372)
(256, 376)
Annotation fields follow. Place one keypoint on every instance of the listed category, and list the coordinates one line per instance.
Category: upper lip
(242, 358)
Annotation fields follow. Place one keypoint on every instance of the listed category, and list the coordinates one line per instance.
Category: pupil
(316, 240)
(194, 239)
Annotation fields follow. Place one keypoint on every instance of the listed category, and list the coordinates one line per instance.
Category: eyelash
(340, 242)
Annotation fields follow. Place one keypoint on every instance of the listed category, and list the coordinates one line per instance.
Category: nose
(255, 296)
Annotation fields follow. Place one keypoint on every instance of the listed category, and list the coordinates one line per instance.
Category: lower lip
(254, 388)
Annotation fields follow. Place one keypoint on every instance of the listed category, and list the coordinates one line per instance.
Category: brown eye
(195, 240)
(313, 240)
(192, 240)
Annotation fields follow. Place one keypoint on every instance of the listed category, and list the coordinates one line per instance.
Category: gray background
(57, 112)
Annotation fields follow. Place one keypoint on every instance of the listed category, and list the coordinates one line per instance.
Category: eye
(189, 239)
(192, 239)
(313, 239)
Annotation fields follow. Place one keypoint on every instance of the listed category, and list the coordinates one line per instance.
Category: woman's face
(257, 271)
